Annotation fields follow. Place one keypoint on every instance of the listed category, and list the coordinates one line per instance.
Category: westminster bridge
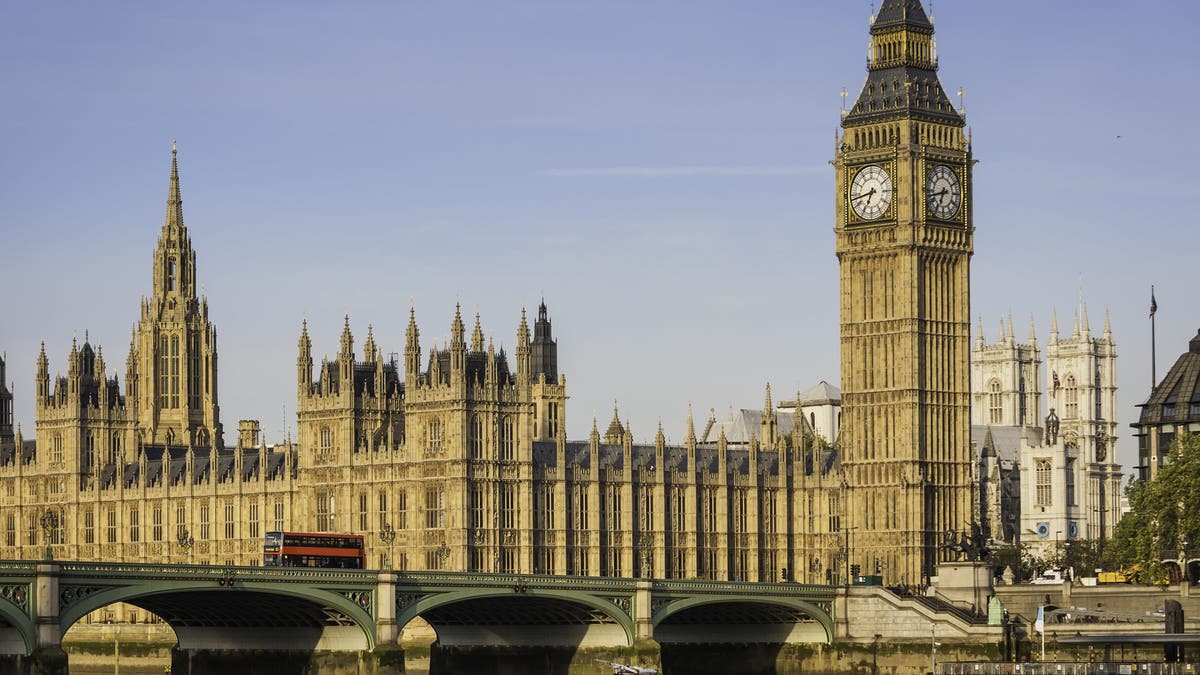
(218, 609)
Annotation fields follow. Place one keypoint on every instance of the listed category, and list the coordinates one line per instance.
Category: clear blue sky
(657, 169)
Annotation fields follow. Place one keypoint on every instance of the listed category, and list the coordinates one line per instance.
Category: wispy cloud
(685, 171)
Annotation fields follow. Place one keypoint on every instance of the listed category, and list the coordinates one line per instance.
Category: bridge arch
(16, 630)
(246, 615)
(521, 619)
(745, 607)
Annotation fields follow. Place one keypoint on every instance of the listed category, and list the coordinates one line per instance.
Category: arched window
(1044, 476)
(325, 442)
(433, 436)
(170, 274)
(476, 436)
(507, 438)
(56, 457)
(995, 406)
(1071, 390)
(164, 372)
(174, 371)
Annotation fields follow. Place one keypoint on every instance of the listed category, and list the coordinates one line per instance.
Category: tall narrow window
(1044, 477)
(995, 405)
(279, 514)
(111, 533)
(553, 420)
(507, 438)
(135, 525)
(477, 436)
(435, 508)
(170, 275)
(325, 515)
(254, 524)
(1071, 390)
(402, 510)
(10, 530)
(205, 533)
(156, 523)
(508, 506)
(56, 455)
(174, 371)
(383, 509)
(164, 372)
(362, 512)
(325, 445)
(433, 440)
(229, 521)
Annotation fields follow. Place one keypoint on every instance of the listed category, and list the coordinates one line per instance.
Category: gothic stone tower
(904, 243)
(1005, 379)
(172, 367)
(1083, 391)
(6, 409)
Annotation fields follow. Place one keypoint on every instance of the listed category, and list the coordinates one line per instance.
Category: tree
(1164, 515)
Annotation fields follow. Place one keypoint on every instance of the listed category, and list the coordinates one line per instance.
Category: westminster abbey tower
(904, 242)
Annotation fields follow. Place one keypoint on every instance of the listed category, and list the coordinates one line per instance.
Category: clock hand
(865, 194)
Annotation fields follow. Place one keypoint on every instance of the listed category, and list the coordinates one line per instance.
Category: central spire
(174, 201)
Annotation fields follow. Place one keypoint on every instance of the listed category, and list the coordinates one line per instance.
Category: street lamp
(185, 542)
(49, 523)
(387, 535)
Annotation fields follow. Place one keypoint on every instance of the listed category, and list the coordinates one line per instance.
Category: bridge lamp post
(185, 542)
(49, 523)
(387, 535)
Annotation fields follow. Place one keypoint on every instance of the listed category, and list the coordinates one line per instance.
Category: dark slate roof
(1176, 399)
(896, 13)
(902, 91)
(1003, 442)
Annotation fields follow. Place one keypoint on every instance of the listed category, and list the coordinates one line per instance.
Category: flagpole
(1153, 343)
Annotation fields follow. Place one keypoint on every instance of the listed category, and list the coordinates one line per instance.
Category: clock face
(943, 194)
(871, 192)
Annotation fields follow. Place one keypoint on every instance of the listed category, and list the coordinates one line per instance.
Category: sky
(657, 171)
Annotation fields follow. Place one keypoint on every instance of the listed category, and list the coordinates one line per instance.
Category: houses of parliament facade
(456, 458)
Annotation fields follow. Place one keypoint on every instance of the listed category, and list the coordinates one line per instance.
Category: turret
(346, 357)
(458, 346)
(1054, 327)
(523, 354)
(767, 431)
(369, 347)
(304, 361)
(131, 372)
(43, 377)
(477, 336)
(689, 433)
(412, 351)
(544, 350)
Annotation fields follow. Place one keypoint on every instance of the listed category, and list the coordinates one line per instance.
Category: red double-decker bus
(301, 549)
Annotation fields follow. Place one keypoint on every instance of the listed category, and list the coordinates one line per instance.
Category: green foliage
(1164, 514)
(1017, 557)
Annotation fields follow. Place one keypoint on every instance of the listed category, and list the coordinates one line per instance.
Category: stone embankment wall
(1023, 599)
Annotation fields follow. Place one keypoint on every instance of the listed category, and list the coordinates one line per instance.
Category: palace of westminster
(456, 458)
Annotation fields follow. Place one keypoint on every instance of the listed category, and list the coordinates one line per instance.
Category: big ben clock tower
(904, 243)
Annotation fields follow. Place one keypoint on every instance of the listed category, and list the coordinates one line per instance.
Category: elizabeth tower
(904, 244)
